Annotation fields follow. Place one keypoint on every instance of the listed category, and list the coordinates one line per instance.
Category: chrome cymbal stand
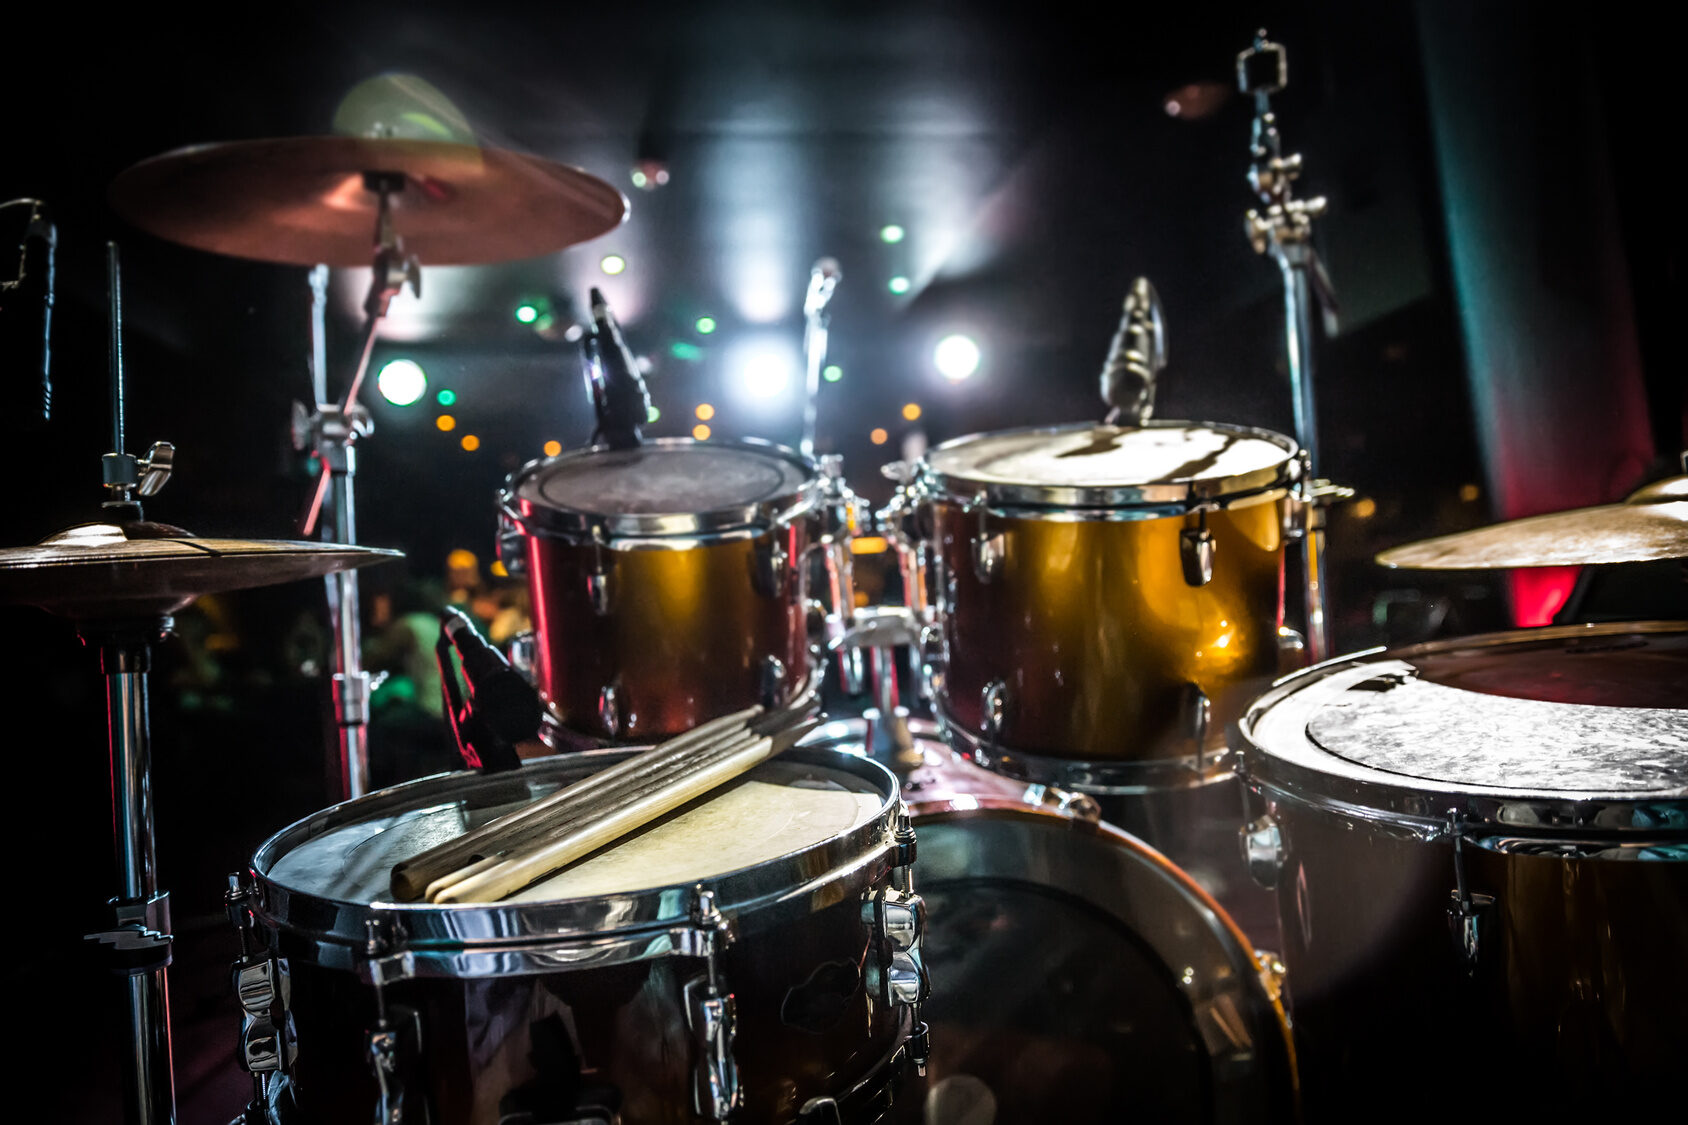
(334, 429)
(1283, 228)
(138, 945)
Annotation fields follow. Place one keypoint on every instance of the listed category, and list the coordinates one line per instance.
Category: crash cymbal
(302, 200)
(103, 570)
(1651, 524)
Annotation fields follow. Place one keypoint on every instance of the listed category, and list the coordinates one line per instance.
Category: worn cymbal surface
(104, 570)
(302, 200)
(1651, 524)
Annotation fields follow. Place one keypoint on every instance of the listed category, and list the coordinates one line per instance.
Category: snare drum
(750, 954)
(668, 581)
(1480, 850)
(1077, 975)
(1109, 598)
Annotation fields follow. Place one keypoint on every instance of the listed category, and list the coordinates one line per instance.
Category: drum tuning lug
(598, 582)
(993, 702)
(712, 1017)
(1263, 850)
(1468, 912)
(773, 565)
(988, 551)
(609, 711)
(1198, 713)
(773, 681)
(1195, 552)
(1292, 650)
(906, 982)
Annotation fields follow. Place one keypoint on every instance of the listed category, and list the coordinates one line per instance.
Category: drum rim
(547, 520)
(962, 488)
(1368, 793)
(509, 938)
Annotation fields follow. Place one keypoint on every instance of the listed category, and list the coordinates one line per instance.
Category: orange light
(461, 560)
(1469, 492)
(701, 432)
(1365, 508)
(869, 545)
(446, 423)
(499, 569)
(879, 436)
(911, 411)
(552, 448)
(470, 443)
(705, 412)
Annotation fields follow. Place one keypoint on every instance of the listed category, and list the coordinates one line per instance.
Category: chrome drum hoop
(1102, 778)
(1589, 823)
(519, 938)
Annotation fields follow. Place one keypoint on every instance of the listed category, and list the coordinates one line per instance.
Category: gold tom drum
(668, 581)
(1109, 598)
(1480, 850)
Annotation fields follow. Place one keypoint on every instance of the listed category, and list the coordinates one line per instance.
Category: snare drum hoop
(498, 939)
(1421, 806)
(1231, 980)
(1124, 502)
(676, 530)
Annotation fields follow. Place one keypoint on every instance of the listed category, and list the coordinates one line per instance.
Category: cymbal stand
(334, 429)
(1284, 230)
(139, 942)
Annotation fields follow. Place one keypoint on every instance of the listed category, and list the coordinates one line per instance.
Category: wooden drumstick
(411, 877)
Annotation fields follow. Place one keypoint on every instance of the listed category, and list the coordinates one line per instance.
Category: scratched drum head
(1575, 725)
(672, 486)
(1108, 466)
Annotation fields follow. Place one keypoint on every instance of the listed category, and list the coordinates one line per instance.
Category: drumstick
(583, 838)
(601, 802)
(605, 802)
(410, 877)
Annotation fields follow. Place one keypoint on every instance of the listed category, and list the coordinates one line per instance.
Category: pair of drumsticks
(520, 847)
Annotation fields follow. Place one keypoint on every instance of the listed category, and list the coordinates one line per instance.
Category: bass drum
(1077, 975)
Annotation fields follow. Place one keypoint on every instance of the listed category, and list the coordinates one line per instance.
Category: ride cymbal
(303, 200)
(102, 570)
(1651, 524)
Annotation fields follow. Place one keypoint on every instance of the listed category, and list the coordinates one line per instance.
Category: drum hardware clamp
(263, 988)
(397, 1034)
(1468, 912)
(711, 1015)
(879, 630)
(1263, 850)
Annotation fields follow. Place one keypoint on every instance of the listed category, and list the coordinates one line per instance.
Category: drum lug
(988, 550)
(263, 988)
(1198, 713)
(609, 710)
(1292, 650)
(773, 681)
(712, 1018)
(773, 564)
(1263, 850)
(1469, 913)
(397, 1034)
(598, 582)
(993, 702)
(511, 543)
(1195, 552)
(897, 920)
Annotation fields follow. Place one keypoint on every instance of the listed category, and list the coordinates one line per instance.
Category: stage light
(527, 313)
(446, 423)
(956, 357)
(612, 264)
(552, 448)
(763, 368)
(446, 397)
(898, 285)
(1364, 508)
(639, 178)
(879, 436)
(832, 373)
(653, 414)
(891, 232)
(911, 411)
(573, 333)
(402, 382)
(868, 545)
(701, 432)
(705, 412)
(680, 349)
(470, 443)
(705, 325)
(1469, 493)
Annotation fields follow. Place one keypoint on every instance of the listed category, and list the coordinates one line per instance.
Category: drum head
(1591, 714)
(1074, 967)
(673, 486)
(1163, 462)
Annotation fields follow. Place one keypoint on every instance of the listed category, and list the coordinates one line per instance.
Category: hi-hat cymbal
(1652, 524)
(102, 570)
(302, 200)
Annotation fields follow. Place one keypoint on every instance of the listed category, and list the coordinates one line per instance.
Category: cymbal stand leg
(139, 943)
(336, 429)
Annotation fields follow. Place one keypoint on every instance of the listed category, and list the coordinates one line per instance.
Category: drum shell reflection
(1095, 634)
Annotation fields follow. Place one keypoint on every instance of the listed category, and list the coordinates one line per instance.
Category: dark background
(1498, 236)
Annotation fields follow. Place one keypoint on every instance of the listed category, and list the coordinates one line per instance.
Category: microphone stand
(822, 281)
(334, 429)
(1283, 229)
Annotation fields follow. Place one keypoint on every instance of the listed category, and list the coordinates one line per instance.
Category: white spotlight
(956, 357)
(401, 382)
(763, 367)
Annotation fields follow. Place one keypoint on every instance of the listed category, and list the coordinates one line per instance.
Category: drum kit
(1477, 849)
